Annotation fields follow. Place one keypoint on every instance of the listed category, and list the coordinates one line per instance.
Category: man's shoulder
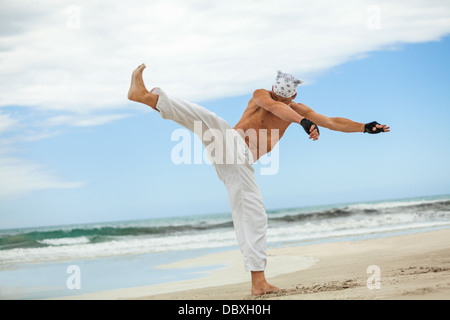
(262, 91)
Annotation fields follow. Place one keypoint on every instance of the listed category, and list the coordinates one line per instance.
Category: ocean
(34, 261)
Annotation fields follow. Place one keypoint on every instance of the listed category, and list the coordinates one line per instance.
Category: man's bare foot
(137, 88)
(138, 92)
(260, 285)
(265, 288)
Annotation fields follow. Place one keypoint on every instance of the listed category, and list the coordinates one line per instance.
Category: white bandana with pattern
(286, 85)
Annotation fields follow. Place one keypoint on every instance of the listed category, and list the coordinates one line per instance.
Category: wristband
(306, 124)
(368, 128)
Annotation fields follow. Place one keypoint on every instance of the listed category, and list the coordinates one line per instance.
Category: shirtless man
(267, 112)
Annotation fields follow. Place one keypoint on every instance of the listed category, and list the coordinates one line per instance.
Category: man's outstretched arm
(263, 99)
(336, 123)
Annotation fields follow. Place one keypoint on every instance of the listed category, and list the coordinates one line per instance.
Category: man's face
(283, 99)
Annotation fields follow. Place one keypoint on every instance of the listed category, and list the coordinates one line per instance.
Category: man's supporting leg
(249, 220)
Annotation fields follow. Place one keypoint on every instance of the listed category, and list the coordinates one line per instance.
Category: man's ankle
(258, 277)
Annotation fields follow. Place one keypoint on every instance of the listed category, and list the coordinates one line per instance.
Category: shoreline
(411, 266)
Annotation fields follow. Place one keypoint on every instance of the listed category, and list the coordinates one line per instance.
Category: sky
(73, 149)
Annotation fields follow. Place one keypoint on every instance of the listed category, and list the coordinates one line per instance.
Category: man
(267, 112)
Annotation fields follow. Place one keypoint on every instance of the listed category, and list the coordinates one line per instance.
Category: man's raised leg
(138, 92)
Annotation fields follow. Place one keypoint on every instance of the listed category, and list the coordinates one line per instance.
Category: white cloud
(6, 122)
(196, 49)
(84, 120)
(18, 178)
(79, 74)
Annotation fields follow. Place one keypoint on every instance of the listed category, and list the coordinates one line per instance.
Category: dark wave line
(440, 206)
(32, 239)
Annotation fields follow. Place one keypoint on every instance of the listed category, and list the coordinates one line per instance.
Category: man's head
(285, 85)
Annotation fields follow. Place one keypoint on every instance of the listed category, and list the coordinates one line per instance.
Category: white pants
(246, 203)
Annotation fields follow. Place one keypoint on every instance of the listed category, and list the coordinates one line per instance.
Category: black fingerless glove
(369, 128)
(306, 124)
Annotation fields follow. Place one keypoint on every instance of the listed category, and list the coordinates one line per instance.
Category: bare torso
(260, 129)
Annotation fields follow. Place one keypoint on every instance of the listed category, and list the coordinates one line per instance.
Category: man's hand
(310, 128)
(374, 127)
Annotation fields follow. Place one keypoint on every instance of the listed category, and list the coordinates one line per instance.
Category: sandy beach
(406, 267)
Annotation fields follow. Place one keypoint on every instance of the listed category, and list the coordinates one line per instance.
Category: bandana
(286, 85)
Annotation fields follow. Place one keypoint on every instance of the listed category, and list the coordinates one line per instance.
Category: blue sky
(118, 166)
